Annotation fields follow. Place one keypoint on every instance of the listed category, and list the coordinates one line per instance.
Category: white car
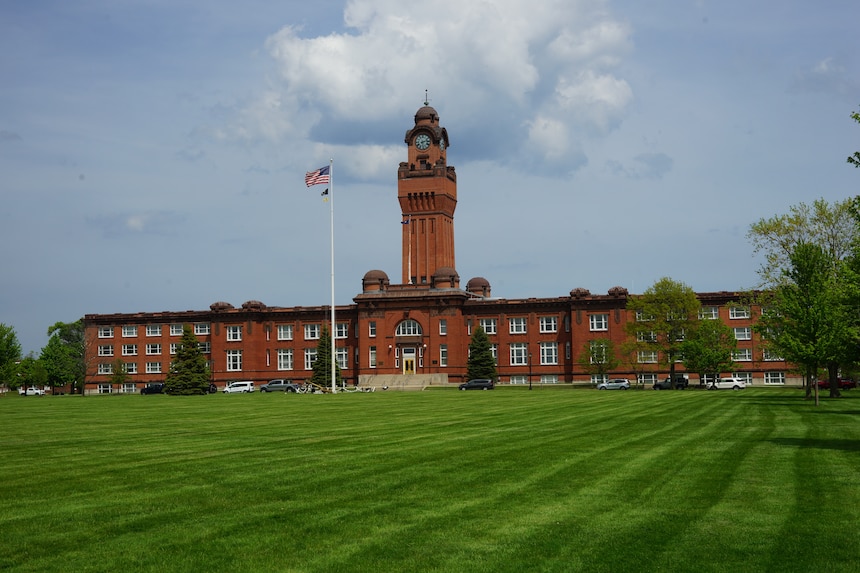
(31, 391)
(615, 384)
(239, 387)
(727, 384)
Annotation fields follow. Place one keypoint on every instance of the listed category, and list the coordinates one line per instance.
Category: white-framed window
(234, 333)
(129, 387)
(646, 379)
(494, 350)
(285, 332)
(443, 327)
(709, 313)
(174, 346)
(646, 357)
(549, 324)
(371, 357)
(519, 379)
(549, 379)
(488, 324)
(153, 349)
(105, 388)
(743, 333)
(175, 330)
(408, 327)
(285, 359)
(517, 325)
(202, 328)
(105, 368)
(310, 358)
(129, 331)
(597, 351)
(519, 354)
(742, 355)
(234, 360)
(371, 329)
(774, 378)
(341, 330)
(745, 376)
(549, 352)
(130, 367)
(598, 378)
(649, 336)
(204, 347)
(153, 330)
(737, 312)
(105, 350)
(342, 357)
(598, 322)
(105, 332)
(153, 367)
(443, 355)
(312, 332)
(642, 317)
(129, 349)
(770, 356)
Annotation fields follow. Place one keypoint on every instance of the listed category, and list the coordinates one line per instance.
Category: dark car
(478, 384)
(279, 386)
(680, 384)
(153, 389)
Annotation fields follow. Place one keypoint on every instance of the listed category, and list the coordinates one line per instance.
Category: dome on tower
(478, 286)
(446, 277)
(426, 113)
(374, 280)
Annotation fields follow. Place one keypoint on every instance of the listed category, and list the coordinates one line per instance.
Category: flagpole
(333, 323)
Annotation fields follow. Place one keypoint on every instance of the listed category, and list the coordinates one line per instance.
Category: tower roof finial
(426, 98)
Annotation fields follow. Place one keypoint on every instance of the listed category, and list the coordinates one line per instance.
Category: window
(443, 327)
(517, 325)
(104, 388)
(174, 346)
(371, 358)
(341, 330)
(646, 357)
(129, 331)
(105, 332)
(549, 352)
(598, 322)
(234, 360)
(641, 317)
(488, 324)
(105, 368)
(129, 387)
(285, 359)
(371, 329)
(745, 376)
(519, 354)
(153, 349)
(771, 356)
(709, 313)
(106, 350)
(285, 332)
(342, 357)
(153, 367)
(742, 355)
(153, 330)
(649, 336)
(549, 324)
(175, 330)
(774, 378)
(743, 333)
(443, 355)
(203, 347)
(310, 358)
(598, 378)
(312, 332)
(549, 379)
(736, 312)
(494, 350)
(234, 333)
(597, 351)
(129, 349)
(130, 367)
(408, 327)
(519, 379)
(201, 328)
(647, 379)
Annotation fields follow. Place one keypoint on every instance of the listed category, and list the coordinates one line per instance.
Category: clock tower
(427, 191)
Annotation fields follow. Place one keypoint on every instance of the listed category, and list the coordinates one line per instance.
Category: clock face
(422, 142)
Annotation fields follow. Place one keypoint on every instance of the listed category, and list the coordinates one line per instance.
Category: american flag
(317, 177)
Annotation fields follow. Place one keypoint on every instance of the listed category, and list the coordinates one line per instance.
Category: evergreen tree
(481, 363)
(189, 373)
(321, 375)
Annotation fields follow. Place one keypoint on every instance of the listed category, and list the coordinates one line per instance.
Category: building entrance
(408, 360)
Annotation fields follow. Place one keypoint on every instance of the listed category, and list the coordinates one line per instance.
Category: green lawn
(510, 480)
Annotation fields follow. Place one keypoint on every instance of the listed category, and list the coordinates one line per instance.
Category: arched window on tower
(408, 327)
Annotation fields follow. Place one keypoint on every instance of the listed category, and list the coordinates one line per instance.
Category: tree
(189, 372)
(29, 371)
(708, 349)
(666, 313)
(321, 375)
(64, 356)
(119, 376)
(10, 354)
(482, 363)
(598, 357)
(855, 159)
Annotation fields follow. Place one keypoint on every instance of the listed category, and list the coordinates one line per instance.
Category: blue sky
(152, 152)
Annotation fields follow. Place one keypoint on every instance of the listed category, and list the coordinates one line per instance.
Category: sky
(153, 152)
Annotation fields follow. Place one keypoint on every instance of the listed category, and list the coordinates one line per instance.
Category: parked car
(213, 389)
(478, 384)
(615, 384)
(844, 384)
(279, 385)
(31, 391)
(157, 388)
(681, 382)
(727, 384)
(239, 387)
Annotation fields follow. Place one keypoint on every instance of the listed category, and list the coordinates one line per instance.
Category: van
(238, 387)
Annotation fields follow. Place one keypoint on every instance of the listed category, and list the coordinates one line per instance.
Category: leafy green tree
(321, 375)
(10, 353)
(481, 362)
(119, 376)
(855, 159)
(599, 357)
(189, 372)
(708, 348)
(30, 371)
(665, 314)
(64, 356)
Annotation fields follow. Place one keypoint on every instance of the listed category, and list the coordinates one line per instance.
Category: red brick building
(419, 329)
